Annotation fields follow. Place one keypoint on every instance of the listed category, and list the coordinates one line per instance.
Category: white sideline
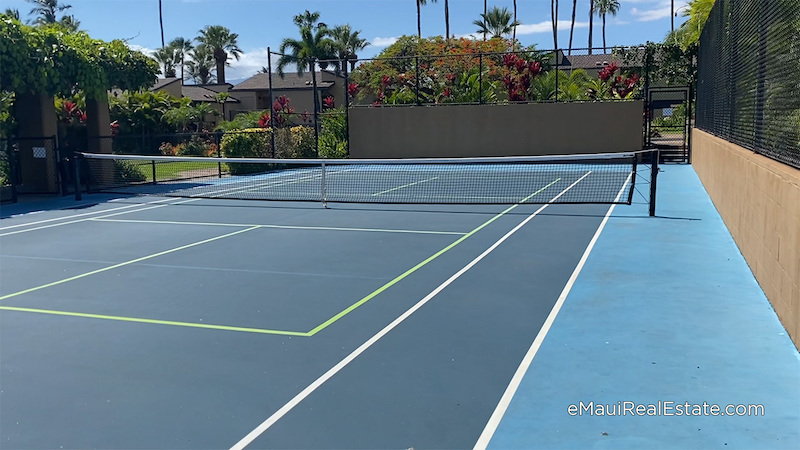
(505, 400)
(277, 415)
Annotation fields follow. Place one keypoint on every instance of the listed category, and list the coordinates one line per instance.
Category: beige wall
(759, 200)
(495, 130)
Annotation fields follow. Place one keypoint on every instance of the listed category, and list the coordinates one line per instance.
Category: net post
(654, 157)
(271, 109)
(633, 180)
(77, 174)
(323, 193)
(316, 104)
(153, 164)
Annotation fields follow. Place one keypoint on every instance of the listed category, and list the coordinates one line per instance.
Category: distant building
(254, 93)
(200, 93)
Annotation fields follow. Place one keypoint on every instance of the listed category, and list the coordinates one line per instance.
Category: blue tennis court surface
(150, 322)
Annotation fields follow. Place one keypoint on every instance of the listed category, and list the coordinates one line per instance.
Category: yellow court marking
(154, 321)
(287, 227)
(312, 332)
(133, 261)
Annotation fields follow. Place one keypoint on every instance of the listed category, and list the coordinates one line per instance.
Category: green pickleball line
(408, 272)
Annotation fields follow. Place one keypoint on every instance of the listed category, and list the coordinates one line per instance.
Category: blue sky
(263, 23)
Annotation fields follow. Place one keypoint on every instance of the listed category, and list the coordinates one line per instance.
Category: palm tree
(221, 43)
(347, 44)
(161, 22)
(447, 20)
(591, 23)
(497, 22)
(167, 58)
(603, 7)
(485, 11)
(313, 43)
(201, 64)
(182, 47)
(69, 22)
(46, 10)
(514, 34)
(419, 15)
(572, 26)
(12, 12)
(554, 18)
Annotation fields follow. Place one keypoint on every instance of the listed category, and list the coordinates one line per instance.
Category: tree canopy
(52, 60)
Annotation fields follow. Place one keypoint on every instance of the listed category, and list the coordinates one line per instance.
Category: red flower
(306, 116)
(446, 92)
(520, 64)
(535, 68)
(386, 80)
(81, 116)
(450, 78)
(509, 60)
(526, 81)
(328, 102)
(608, 71)
(264, 121)
(352, 89)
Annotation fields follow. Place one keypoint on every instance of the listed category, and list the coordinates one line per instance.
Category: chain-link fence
(749, 76)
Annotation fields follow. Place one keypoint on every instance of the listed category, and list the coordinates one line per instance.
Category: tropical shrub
(243, 121)
(333, 135)
(247, 143)
(128, 171)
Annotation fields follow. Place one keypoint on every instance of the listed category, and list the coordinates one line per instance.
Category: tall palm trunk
(161, 22)
(514, 34)
(447, 20)
(485, 10)
(220, 57)
(419, 21)
(572, 27)
(591, 23)
(604, 33)
(672, 15)
(554, 18)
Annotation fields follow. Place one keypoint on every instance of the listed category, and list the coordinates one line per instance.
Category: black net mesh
(749, 76)
(590, 179)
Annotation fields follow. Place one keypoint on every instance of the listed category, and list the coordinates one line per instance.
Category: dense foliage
(51, 60)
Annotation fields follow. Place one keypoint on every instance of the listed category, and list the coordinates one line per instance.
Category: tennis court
(205, 322)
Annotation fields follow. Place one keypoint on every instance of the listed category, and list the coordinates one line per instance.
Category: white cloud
(663, 10)
(383, 42)
(139, 48)
(547, 27)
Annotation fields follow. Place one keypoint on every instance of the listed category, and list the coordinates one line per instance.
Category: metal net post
(313, 67)
(271, 109)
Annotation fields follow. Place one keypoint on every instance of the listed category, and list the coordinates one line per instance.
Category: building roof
(201, 93)
(260, 81)
(596, 61)
(161, 83)
(217, 87)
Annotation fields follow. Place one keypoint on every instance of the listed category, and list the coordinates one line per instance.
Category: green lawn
(166, 171)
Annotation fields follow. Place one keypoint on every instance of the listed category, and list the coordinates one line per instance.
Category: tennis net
(596, 178)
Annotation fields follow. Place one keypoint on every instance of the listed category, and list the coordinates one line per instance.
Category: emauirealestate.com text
(662, 408)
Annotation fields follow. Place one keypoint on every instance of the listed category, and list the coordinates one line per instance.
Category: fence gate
(667, 125)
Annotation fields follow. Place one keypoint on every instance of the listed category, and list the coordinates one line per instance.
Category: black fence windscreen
(749, 76)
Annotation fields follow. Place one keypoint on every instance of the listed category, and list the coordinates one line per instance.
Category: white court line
(286, 227)
(81, 215)
(271, 420)
(405, 186)
(101, 217)
(505, 400)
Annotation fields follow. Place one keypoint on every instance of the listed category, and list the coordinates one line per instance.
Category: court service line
(154, 321)
(271, 420)
(287, 227)
(516, 380)
(102, 217)
(404, 186)
(125, 263)
(81, 215)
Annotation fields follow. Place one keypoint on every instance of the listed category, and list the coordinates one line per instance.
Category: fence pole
(480, 76)
(316, 105)
(557, 77)
(218, 138)
(416, 79)
(77, 174)
(346, 109)
(271, 109)
(13, 167)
